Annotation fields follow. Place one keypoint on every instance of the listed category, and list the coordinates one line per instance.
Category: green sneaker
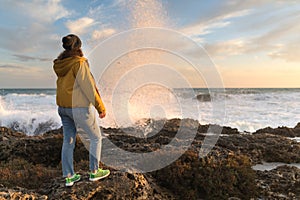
(70, 181)
(100, 174)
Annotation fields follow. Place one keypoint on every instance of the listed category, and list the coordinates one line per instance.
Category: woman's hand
(102, 115)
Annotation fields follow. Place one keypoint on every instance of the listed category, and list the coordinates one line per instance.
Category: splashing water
(2, 110)
(29, 113)
(124, 77)
(147, 13)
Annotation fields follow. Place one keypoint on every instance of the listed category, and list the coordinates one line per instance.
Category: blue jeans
(73, 119)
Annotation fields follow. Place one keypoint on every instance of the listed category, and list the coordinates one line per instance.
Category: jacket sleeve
(88, 86)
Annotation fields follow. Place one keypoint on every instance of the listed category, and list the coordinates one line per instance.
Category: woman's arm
(88, 86)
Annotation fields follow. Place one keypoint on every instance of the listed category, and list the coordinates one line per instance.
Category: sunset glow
(252, 43)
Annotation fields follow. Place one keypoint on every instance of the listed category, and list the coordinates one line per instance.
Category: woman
(76, 92)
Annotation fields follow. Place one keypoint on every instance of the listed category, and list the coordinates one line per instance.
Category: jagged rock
(297, 126)
(283, 131)
(203, 97)
(38, 157)
(297, 130)
(212, 177)
(263, 147)
(283, 182)
(18, 193)
(9, 133)
(119, 185)
(212, 128)
(41, 149)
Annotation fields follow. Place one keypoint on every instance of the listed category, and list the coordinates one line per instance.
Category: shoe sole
(72, 183)
(96, 179)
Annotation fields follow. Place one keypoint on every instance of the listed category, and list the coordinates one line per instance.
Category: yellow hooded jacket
(75, 84)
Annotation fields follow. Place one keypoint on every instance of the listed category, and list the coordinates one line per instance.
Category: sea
(34, 111)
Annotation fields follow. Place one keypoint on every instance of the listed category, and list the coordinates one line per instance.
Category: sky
(253, 43)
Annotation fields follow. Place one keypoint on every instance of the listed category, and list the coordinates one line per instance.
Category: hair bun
(71, 42)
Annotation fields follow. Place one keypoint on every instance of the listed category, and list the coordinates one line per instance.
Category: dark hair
(72, 46)
(71, 41)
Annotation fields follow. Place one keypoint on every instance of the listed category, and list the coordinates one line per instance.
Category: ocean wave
(30, 122)
(16, 92)
(33, 127)
(247, 111)
(29, 115)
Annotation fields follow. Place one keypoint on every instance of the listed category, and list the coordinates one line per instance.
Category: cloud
(14, 69)
(30, 58)
(102, 34)
(9, 66)
(96, 12)
(34, 38)
(50, 11)
(29, 26)
(80, 26)
(226, 10)
(281, 33)
(257, 33)
(289, 53)
(262, 43)
(16, 75)
(227, 48)
(119, 3)
(203, 28)
(42, 11)
(223, 15)
(206, 27)
(107, 13)
(197, 32)
(98, 36)
(285, 29)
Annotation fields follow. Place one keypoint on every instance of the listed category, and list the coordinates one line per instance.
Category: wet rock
(203, 97)
(283, 131)
(280, 183)
(263, 147)
(9, 133)
(224, 173)
(18, 193)
(213, 128)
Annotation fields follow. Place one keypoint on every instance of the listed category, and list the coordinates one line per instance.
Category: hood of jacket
(62, 67)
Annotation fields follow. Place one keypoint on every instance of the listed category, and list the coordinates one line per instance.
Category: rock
(225, 173)
(283, 182)
(212, 128)
(3, 138)
(297, 130)
(263, 147)
(213, 177)
(297, 126)
(9, 133)
(42, 149)
(119, 185)
(203, 97)
(283, 131)
(18, 193)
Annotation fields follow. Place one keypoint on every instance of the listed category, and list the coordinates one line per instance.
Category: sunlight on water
(3, 112)
(273, 165)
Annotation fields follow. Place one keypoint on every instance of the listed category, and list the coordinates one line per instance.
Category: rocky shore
(30, 166)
